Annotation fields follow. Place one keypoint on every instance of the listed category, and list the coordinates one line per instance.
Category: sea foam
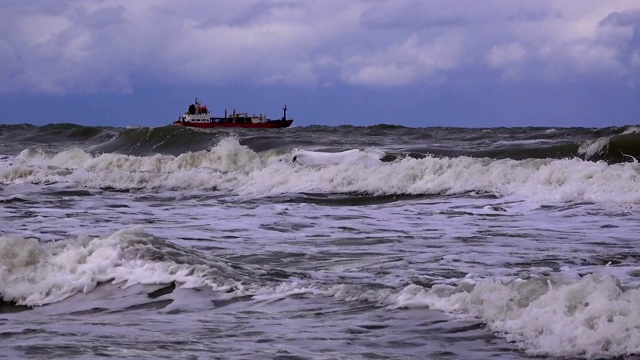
(591, 317)
(35, 273)
(232, 167)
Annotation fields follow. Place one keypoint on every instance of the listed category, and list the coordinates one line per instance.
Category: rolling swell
(15, 138)
(62, 133)
(615, 149)
(542, 152)
(265, 143)
(71, 131)
(169, 140)
(176, 140)
(515, 153)
(610, 144)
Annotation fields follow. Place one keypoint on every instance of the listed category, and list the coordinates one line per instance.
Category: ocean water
(380, 242)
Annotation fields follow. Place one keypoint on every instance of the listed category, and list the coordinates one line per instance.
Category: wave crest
(592, 317)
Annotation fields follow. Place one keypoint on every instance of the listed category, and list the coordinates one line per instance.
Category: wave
(614, 149)
(590, 316)
(55, 137)
(52, 132)
(37, 273)
(613, 145)
(354, 156)
(176, 140)
(238, 170)
(172, 140)
(515, 152)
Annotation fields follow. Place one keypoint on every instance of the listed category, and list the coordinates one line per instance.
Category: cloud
(627, 23)
(635, 58)
(565, 44)
(404, 63)
(622, 18)
(81, 46)
(542, 13)
(411, 14)
(508, 57)
(59, 48)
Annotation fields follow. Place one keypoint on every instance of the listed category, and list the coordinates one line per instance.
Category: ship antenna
(284, 117)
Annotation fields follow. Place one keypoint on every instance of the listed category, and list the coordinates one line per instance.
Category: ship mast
(284, 117)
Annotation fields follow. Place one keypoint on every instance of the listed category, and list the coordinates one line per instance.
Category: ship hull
(266, 125)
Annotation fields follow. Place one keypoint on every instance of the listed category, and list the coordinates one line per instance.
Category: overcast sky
(362, 62)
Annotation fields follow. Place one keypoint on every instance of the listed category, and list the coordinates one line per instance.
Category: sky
(418, 63)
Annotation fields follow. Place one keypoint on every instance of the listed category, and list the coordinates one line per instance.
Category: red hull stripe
(270, 125)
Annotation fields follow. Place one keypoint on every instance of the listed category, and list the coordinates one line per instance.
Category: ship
(198, 116)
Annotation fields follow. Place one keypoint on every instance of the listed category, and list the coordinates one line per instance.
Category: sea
(318, 242)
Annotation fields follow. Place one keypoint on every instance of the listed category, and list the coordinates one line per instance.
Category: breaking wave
(235, 168)
(613, 145)
(592, 316)
(36, 273)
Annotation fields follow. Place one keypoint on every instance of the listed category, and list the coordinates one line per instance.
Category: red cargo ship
(197, 115)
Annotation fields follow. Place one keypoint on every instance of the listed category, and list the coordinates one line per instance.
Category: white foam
(524, 142)
(590, 317)
(367, 157)
(592, 148)
(232, 167)
(36, 273)
(632, 130)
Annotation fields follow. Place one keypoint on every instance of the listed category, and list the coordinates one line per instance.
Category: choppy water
(319, 243)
